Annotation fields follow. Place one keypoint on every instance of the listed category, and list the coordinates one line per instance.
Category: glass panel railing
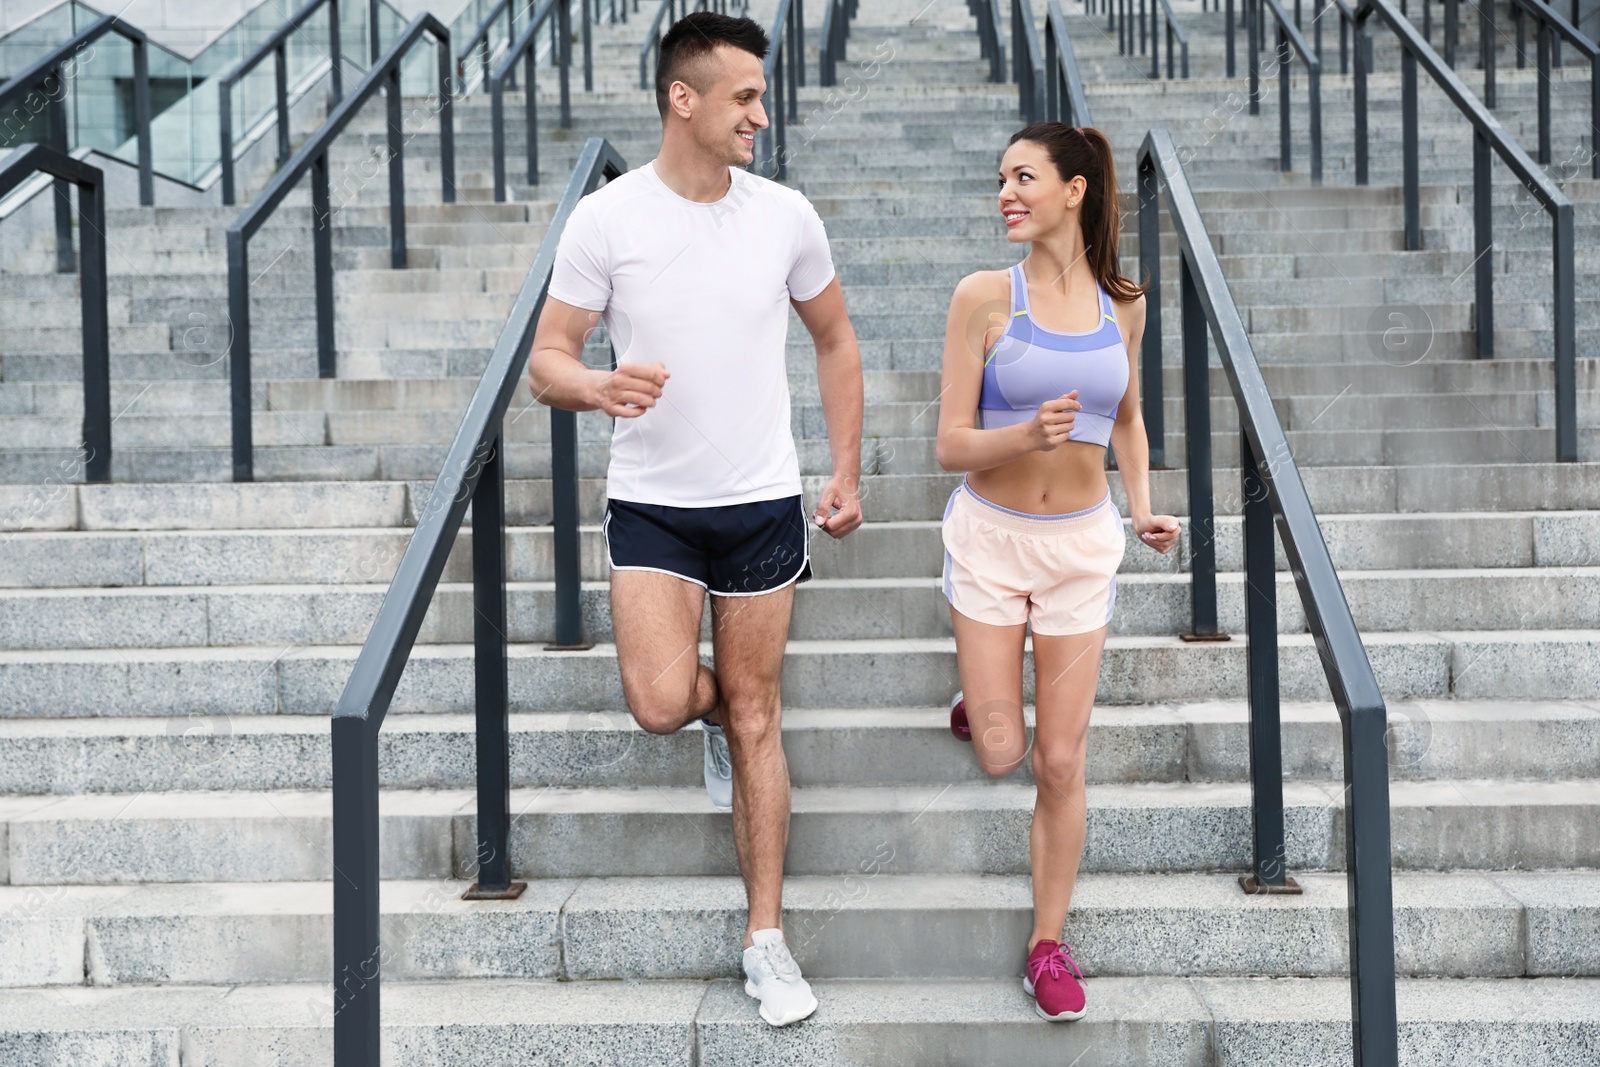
(28, 42)
(183, 94)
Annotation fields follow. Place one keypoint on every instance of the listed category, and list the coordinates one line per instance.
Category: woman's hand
(1160, 532)
(1052, 423)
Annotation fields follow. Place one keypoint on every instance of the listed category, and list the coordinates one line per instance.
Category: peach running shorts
(1056, 572)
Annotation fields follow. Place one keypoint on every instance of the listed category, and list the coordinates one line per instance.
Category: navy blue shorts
(730, 550)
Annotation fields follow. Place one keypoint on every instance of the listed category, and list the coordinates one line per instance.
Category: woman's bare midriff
(1069, 478)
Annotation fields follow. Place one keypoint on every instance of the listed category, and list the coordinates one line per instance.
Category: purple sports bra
(1030, 365)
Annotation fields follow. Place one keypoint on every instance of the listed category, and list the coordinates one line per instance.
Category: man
(694, 263)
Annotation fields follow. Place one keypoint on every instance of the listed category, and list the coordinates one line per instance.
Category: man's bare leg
(656, 619)
(748, 637)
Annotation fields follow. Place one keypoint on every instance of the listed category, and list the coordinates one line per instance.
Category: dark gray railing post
(1373, 1016)
(511, 39)
(447, 125)
(322, 259)
(497, 125)
(1452, 25)
(1482, 243)
(141, 121)
(1594, 116)
(1197, 431)
(1284, 145)
(356, 1018)
(1269, 871)
(1409, 150)
(1156, 43)
(335, 56)
(1314, 86)
(562, 26)
(1545, 35)
(1363, 58)
(239, 355)
(796, 64)
(96, 340)
(280, 82)
(799, 44)
(531, 114)
(1053, 89)
(372, 31)
(1227, 19)
(490, 682)
(397, 174)
(225, 132)
(1253, 30)
(60, 188)
(1486, 49)
(564, 522)
(1563, 249)
(588, 50)
(1151, 387)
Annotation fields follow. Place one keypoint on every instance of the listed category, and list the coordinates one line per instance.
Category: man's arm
(839, 381)
(558, 377)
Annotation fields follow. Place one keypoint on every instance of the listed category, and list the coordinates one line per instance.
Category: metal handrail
(835, 32)
(1273, 489)
(987, 12)
(473, 473)
(1063, 84)
(781, 100)
(19, 167)
(526, 47)
(652, 37)
(1488, 136)
(313, 157)
(1551, 25)
(25, 88)
(276, 46)
(1027, 62)
(1289, 37)
(1173, 27)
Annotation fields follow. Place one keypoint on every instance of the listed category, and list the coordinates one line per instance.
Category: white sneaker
(718, 766)
(773, 977)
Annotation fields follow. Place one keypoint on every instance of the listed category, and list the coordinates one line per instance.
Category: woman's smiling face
(1033, 198)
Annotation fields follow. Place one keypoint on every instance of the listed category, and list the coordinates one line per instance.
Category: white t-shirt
(703, 289)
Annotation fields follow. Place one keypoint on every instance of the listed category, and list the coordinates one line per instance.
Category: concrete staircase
(169, 654)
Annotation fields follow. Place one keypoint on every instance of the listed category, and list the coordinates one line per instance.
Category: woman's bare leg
(989, 659)
(1066, 673)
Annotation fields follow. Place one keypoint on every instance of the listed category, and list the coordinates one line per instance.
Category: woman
(1039, 375)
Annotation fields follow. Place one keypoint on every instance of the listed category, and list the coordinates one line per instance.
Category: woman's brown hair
(1084, 150)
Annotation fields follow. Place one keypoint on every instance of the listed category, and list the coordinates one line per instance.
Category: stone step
(1552, 1022)
(879, 549)
(64, 505)
(954, 828)
(1522, 664)
(826, 608)
(875, 924)
(1198, 742)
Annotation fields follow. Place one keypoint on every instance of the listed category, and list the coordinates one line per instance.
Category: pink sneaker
(958, 718)
(1056, 994)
